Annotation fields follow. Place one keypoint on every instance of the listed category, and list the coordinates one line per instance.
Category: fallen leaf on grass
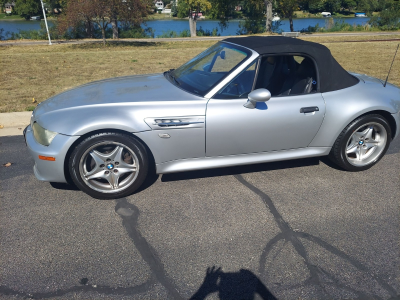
(7, 164)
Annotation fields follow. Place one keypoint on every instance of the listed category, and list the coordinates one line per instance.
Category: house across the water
(8, 7)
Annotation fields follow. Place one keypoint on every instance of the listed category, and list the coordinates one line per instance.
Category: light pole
(45, 20)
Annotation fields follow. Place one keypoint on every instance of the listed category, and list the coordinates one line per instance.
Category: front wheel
(362, 143)
(108, 165)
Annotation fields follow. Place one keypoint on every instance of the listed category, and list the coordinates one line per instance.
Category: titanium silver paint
(276, 125)
(345, 105)
(50, 170)
(230, 134)
(237, 160)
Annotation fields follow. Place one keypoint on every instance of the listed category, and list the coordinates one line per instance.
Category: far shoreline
(8, 19)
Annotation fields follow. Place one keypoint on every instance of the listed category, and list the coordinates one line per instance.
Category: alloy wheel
(366, 144)
(109, 167)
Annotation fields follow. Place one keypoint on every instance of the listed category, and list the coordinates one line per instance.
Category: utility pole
(45, 20)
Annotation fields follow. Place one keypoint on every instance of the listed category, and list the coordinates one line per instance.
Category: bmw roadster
(242, 101)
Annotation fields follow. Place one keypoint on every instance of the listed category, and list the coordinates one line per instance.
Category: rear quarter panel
(345, 105)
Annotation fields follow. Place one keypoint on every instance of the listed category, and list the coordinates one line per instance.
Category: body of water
(233, 26)
(160, 26)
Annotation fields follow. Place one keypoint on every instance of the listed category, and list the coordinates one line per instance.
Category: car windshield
(206, 70)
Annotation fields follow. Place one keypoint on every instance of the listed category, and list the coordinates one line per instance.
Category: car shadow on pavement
(238, 285)
(320, 275)
(64, 186)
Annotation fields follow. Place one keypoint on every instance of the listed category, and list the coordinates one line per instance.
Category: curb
(13, 123)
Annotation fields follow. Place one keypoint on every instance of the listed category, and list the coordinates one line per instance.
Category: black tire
(117, 170)
(340, 153)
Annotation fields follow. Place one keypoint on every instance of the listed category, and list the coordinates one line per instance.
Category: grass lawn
(345, 14)
(161, 17)
(40, 72)
(3, 17)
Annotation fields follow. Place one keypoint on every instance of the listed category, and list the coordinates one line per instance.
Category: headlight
(43, 136)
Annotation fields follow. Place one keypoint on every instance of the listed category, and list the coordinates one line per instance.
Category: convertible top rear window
(206, 70)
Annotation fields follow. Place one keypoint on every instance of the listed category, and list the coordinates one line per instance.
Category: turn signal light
(49, 158)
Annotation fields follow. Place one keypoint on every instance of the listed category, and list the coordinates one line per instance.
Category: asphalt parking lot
(300, 229)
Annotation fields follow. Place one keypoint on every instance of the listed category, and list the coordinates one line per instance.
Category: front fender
(121, 116)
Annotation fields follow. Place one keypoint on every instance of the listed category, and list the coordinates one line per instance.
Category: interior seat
(271, 74)
(302, 82)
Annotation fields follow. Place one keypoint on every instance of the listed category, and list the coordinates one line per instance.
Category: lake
(160, 26)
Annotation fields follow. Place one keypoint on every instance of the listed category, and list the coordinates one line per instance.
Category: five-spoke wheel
(109, 165)
(362, 143)
(366, 144)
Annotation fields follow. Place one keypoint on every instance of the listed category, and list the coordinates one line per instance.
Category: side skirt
(192, 164)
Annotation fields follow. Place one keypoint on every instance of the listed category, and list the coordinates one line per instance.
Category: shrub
(389, 19)
(168, 34)
(311, 29)
(206, 32)
(136, 32)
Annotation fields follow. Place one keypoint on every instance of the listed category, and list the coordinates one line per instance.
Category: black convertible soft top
(332, 76)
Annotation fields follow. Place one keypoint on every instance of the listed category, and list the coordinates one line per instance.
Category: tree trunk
(192, 26)
(89, 28)
(103, 33)
(291, 23)
(114, 25)
(268, 9)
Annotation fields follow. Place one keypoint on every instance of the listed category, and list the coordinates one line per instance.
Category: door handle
(310, 109)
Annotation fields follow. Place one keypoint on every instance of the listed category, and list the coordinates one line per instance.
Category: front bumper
(49, 170)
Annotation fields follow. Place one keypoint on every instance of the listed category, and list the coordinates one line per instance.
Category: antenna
(391, 65)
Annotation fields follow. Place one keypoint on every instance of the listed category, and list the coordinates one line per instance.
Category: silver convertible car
(242, 101)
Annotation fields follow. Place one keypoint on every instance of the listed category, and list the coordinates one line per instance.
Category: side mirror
(259, 95)
(207, 67)
(222, 54)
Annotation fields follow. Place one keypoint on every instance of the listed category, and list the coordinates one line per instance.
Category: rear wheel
(362, 143)
(109, 165)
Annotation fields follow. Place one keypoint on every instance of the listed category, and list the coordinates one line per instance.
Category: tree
(193, 9)
(349, 4)
(389, 18)
(222, 10)
(131, 12)
(367, 6)
(268, 9)
(174, 9)
(77, 12)
(28, 8)
(287, 9)
(55, 5)
(332, 5)
(103, 13)
(254, 11)
(2, 5)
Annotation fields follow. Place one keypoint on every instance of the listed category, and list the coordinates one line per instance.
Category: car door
(284, 122)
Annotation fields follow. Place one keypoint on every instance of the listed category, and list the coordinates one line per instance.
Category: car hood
(118, 103)
(128, 89)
